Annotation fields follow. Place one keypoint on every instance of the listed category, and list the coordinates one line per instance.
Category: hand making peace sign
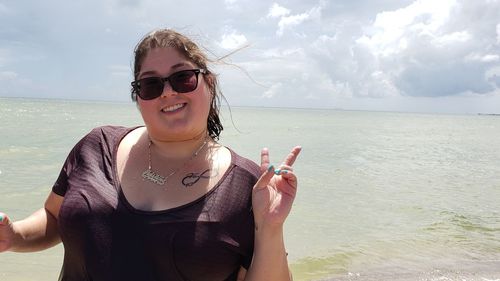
(274, 192)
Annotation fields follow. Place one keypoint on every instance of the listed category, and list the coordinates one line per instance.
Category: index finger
(264, 159)
(292, 156)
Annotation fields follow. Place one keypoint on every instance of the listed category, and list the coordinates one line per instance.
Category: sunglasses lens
(184, 81)
(151, 88)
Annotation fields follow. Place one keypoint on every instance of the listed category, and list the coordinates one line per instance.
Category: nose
(167, 90)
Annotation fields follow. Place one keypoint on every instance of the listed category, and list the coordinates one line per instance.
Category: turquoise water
(382, 196)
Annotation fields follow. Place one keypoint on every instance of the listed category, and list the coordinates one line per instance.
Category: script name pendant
(153, 177)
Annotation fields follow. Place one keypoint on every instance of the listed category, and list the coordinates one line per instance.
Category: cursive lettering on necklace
(192, 178)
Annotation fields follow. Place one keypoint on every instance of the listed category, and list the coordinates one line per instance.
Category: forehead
(163, 60)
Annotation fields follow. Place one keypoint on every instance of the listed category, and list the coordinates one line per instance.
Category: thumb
(265, 178)
(4, 219)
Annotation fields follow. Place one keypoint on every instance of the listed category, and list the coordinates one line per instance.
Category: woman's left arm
(272, 200)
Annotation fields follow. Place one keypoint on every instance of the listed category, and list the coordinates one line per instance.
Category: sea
(381, 196)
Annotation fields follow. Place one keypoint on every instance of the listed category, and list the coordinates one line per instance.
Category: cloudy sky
(397, 55)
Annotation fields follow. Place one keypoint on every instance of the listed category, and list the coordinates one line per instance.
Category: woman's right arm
(36, 232)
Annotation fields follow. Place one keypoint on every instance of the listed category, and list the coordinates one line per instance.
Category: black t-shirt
(105, 238)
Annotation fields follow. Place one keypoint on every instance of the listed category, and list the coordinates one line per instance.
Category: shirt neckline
(123, 198)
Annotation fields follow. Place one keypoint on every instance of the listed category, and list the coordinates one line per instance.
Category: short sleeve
(61, 185)
(89, 154)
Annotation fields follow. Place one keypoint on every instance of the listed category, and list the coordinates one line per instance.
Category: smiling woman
(164, 201)
(174, 115)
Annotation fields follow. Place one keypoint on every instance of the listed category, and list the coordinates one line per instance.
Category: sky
(437, 56)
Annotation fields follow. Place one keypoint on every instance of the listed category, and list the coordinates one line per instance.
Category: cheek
(144, 108)
(140, 106)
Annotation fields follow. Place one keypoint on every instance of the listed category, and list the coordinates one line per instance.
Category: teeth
(173, 107)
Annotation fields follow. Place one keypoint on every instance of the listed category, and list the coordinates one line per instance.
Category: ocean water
(382, 196)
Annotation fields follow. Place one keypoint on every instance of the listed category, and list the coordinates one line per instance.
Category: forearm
(269, 259)
(35, 233)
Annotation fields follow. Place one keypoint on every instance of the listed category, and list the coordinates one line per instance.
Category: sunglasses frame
(136, 85)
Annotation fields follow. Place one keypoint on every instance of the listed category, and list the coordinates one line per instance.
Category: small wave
(431, 275)
(312, 268)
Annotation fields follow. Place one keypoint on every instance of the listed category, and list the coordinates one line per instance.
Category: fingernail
(277, 171)
(285, 172)
(1, 218)
(270, 168)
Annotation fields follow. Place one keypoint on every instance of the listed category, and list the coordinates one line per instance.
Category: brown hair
(164, 38)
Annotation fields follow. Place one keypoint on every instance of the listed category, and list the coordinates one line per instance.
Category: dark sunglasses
(183, 81)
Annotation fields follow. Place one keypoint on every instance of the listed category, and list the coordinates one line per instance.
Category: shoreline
(455, 276)
(489, 273)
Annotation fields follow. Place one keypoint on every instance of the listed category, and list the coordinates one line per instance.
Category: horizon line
(226, 105)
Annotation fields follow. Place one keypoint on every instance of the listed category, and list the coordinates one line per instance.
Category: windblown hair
(164, 38)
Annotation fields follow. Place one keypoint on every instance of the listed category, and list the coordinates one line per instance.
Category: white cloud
(287, 21)
(290, 21)
(232, 39)
(452, 38)
(314, 53)
(382, 85)
(14, 84)
(498, 34)
(272, 91)
(232, 5)
(280, 53)
(475, 57)
(8, 75)
(392, 30)
(335, 89)
(493, 77)
(428, 48)
(277, 11)
(494, 71)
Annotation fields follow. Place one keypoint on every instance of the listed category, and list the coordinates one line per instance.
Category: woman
(164, 201)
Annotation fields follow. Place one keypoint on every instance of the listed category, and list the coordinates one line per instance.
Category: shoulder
(108, 131)
(105, 134)
(100, 139)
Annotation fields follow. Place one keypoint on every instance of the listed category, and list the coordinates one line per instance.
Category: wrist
(269, 231)
(270, 256)
(17, 238)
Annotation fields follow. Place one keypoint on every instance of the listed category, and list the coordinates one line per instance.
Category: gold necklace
(158, 179)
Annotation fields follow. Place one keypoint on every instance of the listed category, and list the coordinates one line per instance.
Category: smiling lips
(173, 107)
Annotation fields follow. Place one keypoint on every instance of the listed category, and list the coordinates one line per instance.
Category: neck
(180, 149)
